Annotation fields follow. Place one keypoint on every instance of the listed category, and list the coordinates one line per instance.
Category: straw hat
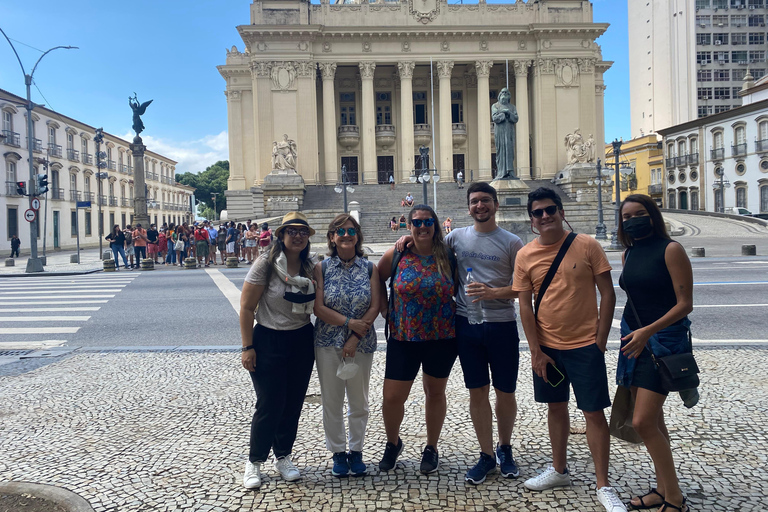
(294, 219)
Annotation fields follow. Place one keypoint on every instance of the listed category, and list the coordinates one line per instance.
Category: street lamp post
(344, 187)
(425, 176)
(615, 244)
(721, 184)
(213, 195)
(600, 231)
(100, 164)
(34, 264)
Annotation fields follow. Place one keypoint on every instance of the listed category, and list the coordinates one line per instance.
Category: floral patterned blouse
(424, 308)
(346, 291)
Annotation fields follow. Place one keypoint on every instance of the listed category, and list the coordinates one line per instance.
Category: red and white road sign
(30, 215)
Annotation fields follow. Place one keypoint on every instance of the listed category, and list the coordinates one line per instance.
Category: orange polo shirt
(137, 240)
(568, 313)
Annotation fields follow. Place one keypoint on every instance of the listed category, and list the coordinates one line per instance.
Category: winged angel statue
(138, 111)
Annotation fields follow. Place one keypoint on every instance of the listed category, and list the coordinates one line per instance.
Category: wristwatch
(246, 349)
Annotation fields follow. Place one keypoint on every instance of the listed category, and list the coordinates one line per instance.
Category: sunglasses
(427, 222)
(297, 232)
(348, 231)
(539, 212)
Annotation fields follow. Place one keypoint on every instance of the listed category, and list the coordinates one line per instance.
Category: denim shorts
(584, 369)
(490, 344)
(404, 358)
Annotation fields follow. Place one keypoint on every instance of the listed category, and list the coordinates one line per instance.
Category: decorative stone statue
(284, 155)
(577, 150)
(138, 111)
(424, 153)
(504, 116)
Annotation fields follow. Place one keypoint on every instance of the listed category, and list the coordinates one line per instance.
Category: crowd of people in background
(171, 244)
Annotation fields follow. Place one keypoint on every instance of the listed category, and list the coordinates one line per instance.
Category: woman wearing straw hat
(279, 351)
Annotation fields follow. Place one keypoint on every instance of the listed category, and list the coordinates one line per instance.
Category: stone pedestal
(283, 193)
(573, 181)
(140, 215)
(511, 192)
(245, 204)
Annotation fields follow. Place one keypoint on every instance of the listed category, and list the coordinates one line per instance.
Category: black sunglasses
(348, 231)
(539, 212)
(427, 222)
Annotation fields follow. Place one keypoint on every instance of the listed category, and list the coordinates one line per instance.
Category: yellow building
(644, 156)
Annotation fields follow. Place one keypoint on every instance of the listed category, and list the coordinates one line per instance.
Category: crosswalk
(44, 312)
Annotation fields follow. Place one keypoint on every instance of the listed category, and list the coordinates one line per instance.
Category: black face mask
(638, 227)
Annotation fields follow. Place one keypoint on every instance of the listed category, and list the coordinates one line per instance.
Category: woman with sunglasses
(421, 331)
(278, 352)
(346, 305)
(658, 278)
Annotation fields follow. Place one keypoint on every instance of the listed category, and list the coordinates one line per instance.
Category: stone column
(587, 107)
(368, 132)
(546, 146)
(263, 98)
(236, 179)
(523, 161)
(600, 129)
(483, 68)
(331, 164)
(306, 120)
(445, 162)
(405, 70)
(139, 194)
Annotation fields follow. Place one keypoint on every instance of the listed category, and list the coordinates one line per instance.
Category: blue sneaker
(340, 465)
(356, 464)
(506, 462)
(477, 474)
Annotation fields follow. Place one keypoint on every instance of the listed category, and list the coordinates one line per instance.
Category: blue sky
(168, 50)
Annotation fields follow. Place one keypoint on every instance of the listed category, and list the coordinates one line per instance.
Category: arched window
(681, 148)
(671, 202)
(122, 191)
(718, 201)
(741, 197)
(762, 130)
(764, 198)
(717, 140)
(694, 146)
(739, 135)
(694, 192)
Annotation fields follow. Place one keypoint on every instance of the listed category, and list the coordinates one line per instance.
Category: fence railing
(73, 155)
(57, 194)
(54, 150)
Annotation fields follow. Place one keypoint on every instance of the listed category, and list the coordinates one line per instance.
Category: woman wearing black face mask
(657, 276)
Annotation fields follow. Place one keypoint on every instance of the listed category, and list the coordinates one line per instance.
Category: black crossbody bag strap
(552, 271)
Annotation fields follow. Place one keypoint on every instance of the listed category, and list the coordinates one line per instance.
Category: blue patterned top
(346, 291)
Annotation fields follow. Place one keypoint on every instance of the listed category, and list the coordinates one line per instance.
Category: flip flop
(642, 505)
(682, 508)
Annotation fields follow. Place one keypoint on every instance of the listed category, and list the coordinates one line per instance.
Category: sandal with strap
(642, 505)
(682, 508)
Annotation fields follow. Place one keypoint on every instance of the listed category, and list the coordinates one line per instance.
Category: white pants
(332, 391)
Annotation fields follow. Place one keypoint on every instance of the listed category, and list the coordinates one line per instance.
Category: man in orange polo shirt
(567, 338)
(140, 244)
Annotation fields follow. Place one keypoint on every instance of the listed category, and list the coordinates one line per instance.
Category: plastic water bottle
(474, 309)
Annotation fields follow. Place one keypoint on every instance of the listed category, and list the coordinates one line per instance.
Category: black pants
(284, 361)
(15, 251)
(140, 253)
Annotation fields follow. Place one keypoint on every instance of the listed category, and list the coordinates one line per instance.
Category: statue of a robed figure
(504, 117)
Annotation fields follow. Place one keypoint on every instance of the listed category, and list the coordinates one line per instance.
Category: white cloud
(192, 156)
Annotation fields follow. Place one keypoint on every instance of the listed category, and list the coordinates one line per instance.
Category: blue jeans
(171, 256)
(118, 249)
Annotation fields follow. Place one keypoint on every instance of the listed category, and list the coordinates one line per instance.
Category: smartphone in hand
(554, 375)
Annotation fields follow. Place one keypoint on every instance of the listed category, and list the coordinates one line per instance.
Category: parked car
(738, 211)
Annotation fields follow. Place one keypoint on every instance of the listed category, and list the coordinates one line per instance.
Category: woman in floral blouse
(346, 305)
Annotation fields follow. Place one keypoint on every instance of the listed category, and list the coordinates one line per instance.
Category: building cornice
(728, 115)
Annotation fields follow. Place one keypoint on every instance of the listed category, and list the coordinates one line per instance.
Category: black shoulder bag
(552, 271)
(677, 371)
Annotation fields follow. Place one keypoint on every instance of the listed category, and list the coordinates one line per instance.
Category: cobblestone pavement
(169, 431)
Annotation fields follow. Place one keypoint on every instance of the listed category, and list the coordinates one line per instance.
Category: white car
(738, 211)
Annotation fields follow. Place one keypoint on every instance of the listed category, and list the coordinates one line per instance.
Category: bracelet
(346, 324)
(246, 349)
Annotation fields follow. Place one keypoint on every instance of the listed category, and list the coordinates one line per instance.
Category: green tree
(212, 180)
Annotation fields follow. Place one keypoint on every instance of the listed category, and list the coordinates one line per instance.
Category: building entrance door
(683, 200)
(55, 230)
(351, 163)
(458, 165)
(386, 166)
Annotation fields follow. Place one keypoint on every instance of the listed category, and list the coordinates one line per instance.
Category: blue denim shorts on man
(490, 344)
(584, 368)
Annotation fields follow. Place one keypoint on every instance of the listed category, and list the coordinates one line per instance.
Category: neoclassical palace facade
(364, 84)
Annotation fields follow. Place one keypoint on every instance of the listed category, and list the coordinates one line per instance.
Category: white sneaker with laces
(548, 479)
(287, 469)
(252, 475)
(610, 500)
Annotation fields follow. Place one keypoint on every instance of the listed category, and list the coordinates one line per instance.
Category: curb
(53, 274)
(67, 499)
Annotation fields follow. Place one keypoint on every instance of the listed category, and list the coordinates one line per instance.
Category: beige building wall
(352, 84)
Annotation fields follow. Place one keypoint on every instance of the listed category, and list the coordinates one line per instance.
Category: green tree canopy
(212, 180)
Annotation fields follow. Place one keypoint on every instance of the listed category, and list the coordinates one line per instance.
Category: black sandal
(643, 506)
(681, 508)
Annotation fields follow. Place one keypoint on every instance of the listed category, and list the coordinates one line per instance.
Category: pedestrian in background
(221, 242)
(393, 224)
(460, 179)
(162, 245)
(129, 251)
(231, 239)
(265, 238)
(117, 244)
(152, 242)
(170, 235)
(279, 352)
(179, 237)
(391, 181)
(15, 244)
(212, 235)
(201, 245)
(346, 306)
(251, 243)
(658, 279)
(140, 243)
(422, 332)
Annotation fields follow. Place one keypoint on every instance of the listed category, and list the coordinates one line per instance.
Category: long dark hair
(439, 249)
(335, 224)
(659, 228)
(278, 246)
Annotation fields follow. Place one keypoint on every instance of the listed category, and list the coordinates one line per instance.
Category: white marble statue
(284, 154)
(577, 150)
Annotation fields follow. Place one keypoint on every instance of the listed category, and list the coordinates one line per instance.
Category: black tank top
(646, 276)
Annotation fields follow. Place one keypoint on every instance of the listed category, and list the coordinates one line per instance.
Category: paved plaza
(134, 431)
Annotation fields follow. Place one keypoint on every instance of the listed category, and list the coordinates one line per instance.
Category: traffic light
(21, 188)
(42, 183)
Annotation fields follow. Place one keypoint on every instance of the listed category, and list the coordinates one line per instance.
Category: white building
(731, 147)
(70, 150)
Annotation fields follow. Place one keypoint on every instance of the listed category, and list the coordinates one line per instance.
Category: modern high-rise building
(688, 58)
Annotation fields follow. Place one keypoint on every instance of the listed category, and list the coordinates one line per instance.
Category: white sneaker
(548, 479)
(610, 500)
(287, 469)
(252, 475)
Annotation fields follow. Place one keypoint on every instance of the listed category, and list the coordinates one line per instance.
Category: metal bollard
(10, 262)
(147, 264)
(697, 252)
(109, 265)
(106, 255)
(749, 250)
(232, 262)
(190, 263)
(74, 258)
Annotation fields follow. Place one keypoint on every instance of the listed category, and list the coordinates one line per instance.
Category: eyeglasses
(297, 232)
(539, 212)
(348, 231)
(485, 200)
(427, 222)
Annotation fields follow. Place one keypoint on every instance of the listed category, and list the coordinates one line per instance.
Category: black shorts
(435, 358)
(490, 344)
(646, 375)
(584, 368)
